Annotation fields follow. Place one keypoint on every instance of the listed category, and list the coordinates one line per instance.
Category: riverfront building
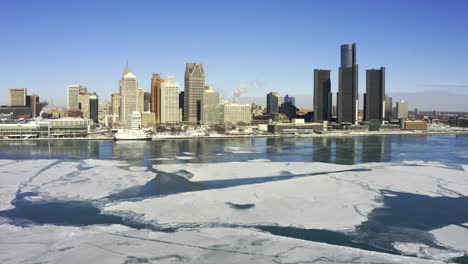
(169, 96)
(232, 113)
(194, 84)
(322, 95)
(348, 98)
(210, 113)
(156, 84)
(273, 103)
(17, 96)
(374, 98)
(129, 94)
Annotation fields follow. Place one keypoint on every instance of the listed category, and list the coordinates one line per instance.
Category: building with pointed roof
(194, 84)
(129, 94)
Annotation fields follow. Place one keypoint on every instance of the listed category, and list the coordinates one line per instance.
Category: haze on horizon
(265, 45)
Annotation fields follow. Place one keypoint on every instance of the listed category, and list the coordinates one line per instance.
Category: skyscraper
(73, 93)
(388, 108)
(402, 110)
(156, 83)
(194, 84)
(273, 103)
(374, 102)
(170, 112)
(94, 108)
(181, 104)
(210, 107)
(140, 100)
(31, 101)
(128, 90)
(322, 95)
(115, 105)
(290, 99)
(147, 104)
(17, 96)
(348, 97)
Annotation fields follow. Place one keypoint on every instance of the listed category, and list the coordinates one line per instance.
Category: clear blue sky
(47, 45)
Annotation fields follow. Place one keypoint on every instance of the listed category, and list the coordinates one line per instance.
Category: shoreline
(326, 135)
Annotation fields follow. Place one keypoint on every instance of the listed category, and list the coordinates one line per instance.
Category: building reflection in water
(346, 150)
(340, 150)
(322, 149)
(376, 149)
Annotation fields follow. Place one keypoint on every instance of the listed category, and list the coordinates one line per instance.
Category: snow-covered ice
(300, 194)
(308, 195)
(454, 236)
(67, 180)
(118, 244)
(184, 157)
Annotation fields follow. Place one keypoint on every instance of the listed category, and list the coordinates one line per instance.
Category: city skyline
(274, 43)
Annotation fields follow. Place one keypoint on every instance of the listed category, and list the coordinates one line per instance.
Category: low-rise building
(232, 113)
(415, 125)
(294, 128)
(134, 120)
(148, 119)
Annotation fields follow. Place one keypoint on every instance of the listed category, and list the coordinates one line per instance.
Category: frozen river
(374, 199)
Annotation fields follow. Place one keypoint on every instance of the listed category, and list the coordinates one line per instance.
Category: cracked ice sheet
(118, 244)
(337, 201)
(67, 180)
(13, 173)
(453, 236)
(427, 252)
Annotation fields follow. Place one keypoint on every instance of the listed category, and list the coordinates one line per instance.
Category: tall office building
(374, 98)
(347, 99)
(147, 104)
(156, 83)
(94, 108)
(194, 84)
(83, 101)
(181, 104)
(128, 90)
(17, 96)
(273, 103)
(388, 108)
(140, 100)
(322, 96)
(402, 110)
(73, 96)
(170, 112)
(290, 99)
(115, 105)
(31, 101)
(210, 107)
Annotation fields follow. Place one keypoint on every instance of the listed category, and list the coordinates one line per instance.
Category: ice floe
(119, 244)
(454, 236)
(66, 180)
(308, 195)
(300, 194)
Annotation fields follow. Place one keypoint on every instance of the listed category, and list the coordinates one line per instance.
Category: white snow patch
(184, 157)
(189, 153)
